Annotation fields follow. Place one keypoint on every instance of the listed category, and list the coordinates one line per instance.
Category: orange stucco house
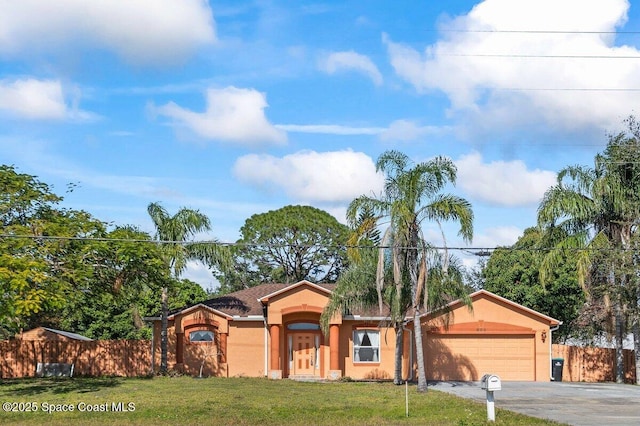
(273, 330)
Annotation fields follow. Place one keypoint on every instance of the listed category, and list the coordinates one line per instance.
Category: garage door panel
(468, 357)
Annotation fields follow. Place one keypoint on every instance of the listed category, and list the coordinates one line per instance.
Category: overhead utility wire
(532, 31)
(560, 89)
(515, 55)
(478, 251)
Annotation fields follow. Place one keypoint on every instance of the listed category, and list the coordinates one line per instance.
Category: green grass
(241, 401)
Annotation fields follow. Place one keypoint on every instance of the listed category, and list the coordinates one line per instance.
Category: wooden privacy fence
(19, 358)
(589, 364)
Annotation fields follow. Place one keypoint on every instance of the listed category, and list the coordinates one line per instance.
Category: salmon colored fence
(19, 358)
(589, 364)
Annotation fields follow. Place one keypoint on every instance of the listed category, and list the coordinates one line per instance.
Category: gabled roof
(294, 286)
(250, 302)
(247, 302)
(198, 306)
(67, 334)
(484, 293)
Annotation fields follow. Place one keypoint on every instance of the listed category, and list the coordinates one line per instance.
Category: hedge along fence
(19, 358)
(590, 364)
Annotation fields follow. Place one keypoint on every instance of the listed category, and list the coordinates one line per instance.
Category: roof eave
(550, 320)
(266, 298)
(197, 306)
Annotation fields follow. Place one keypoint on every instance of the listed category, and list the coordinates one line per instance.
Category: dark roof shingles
(245, 302)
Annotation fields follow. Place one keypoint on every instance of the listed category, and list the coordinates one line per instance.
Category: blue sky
(241, 107)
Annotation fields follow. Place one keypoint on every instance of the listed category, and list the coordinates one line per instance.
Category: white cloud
(505, 183)
(337, 176)
(331, 129)
(406, 130)
(351, 61)
(141, 31)
(481, 87)
(497, 236)
(38, 100)
(232, 114)
(398, 130)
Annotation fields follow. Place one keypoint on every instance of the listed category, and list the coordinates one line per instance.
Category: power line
(534, 31)
(477, 251)
(110, 240)
(556, 89)
(515, 55)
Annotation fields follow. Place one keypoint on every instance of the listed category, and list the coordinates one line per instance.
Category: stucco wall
(245, 349)
(491, 323)
(297, 300)
(367, 370)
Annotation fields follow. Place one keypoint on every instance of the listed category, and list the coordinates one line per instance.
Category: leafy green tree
(23, 197)
(119, 315)
(411, 196)
(61, 268)
(598, 209)
(514, 273)
(287, 245)
(128, 268)
(186, 292)
(41, 261)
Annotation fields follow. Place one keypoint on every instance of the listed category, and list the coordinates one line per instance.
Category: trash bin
(556, 371)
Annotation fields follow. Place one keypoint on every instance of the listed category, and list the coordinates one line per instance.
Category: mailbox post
(491, 383)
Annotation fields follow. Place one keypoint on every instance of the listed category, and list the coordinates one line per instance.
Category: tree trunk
(397, 376)
(163, 334)
(417, 333)
(619, 319)
(636, 347)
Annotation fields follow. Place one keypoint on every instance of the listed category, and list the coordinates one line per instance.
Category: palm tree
(598, 211)
(176, 233)
(411, 196)
(358, 288)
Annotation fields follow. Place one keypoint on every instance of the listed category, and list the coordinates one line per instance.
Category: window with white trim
(366, 346)
(201, 336)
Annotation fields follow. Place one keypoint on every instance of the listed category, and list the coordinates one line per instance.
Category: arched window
(202, 336)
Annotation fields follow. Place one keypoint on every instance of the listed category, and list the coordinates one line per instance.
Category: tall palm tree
(411, 196)
(597, 210)
(358, 288)
(176, 234)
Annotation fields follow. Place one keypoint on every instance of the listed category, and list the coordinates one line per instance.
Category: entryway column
(179, 351)
(223, 347)
(334, 352)
(275, 371)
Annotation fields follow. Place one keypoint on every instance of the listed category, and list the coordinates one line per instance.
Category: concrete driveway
(580, 404)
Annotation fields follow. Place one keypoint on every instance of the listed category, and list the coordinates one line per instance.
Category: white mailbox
(491, 382)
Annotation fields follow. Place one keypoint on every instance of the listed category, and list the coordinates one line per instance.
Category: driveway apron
(580, 404)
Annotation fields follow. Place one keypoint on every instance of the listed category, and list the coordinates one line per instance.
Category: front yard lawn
(234, 401)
